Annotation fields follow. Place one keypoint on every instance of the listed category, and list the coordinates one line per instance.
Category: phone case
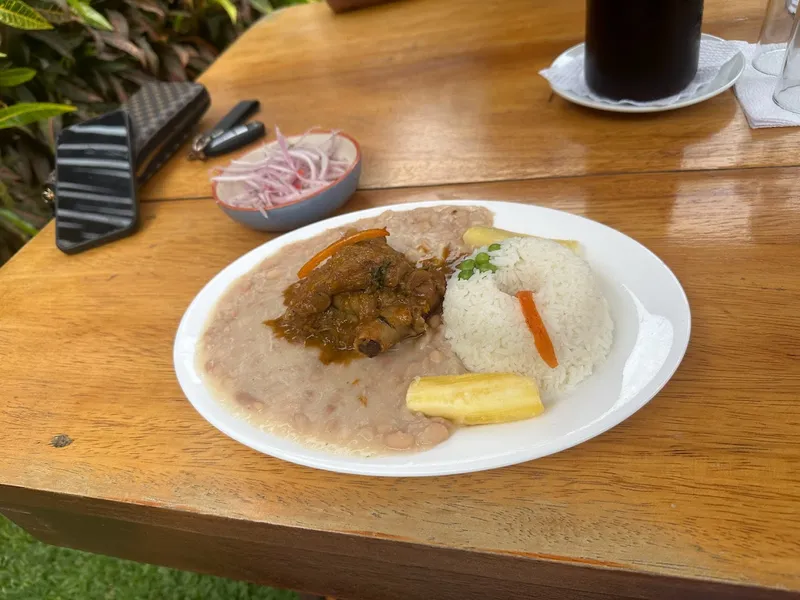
(119, 209)
(162, 116)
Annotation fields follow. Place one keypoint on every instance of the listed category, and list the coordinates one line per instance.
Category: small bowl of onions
(290, 182)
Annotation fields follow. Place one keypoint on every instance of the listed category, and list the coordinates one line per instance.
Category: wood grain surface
(694, 496)
(448, 91)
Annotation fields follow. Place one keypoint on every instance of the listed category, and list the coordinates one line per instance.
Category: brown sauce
(328, 352)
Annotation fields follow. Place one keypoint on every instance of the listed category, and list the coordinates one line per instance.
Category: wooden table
(448, 91)
(696, 496)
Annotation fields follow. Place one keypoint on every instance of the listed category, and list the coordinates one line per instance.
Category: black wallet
(162, 116)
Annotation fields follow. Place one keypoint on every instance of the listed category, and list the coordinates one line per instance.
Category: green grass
(31, 570)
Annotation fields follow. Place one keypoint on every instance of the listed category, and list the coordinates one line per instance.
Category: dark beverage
(642, 49)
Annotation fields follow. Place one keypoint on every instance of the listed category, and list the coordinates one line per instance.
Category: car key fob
(230, 133)
(235, 138)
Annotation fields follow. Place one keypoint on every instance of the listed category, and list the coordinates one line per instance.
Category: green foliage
(19, 15)
(12, 77)
(30, 570)
(89, 16)
(229, 7)
(24, 113)
(15, 220)
(63, 61)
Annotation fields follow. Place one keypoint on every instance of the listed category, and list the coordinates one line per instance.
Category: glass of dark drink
(641, 49)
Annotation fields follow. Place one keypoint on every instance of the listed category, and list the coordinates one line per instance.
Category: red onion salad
(284, 171)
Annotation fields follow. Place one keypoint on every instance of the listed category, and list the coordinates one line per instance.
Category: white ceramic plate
(725, 78)
(652, 325)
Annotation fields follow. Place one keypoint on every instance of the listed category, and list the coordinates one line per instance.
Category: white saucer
(726, 77)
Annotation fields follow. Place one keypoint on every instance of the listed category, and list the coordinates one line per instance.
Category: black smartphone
(95, 186)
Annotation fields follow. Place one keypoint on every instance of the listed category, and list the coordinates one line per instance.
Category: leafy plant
(63, 61)
(16, 13)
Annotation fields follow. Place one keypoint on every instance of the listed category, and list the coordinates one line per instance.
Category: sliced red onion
(284, 172)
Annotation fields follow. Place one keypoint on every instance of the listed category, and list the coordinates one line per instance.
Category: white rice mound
(486, 329)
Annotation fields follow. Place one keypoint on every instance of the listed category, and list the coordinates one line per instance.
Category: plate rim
(631, 108)
(355, 465)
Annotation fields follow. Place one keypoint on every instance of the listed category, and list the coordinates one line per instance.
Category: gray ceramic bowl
(314, 206)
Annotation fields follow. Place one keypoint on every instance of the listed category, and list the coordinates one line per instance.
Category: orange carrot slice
(319, 257)
(540, 336)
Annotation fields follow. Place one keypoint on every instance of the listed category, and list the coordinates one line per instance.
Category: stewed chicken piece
(366, 297)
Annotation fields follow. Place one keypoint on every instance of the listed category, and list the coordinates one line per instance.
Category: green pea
(467, 265)
(487, 267)
(494, 247)
(482, 258)
(466, 274)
